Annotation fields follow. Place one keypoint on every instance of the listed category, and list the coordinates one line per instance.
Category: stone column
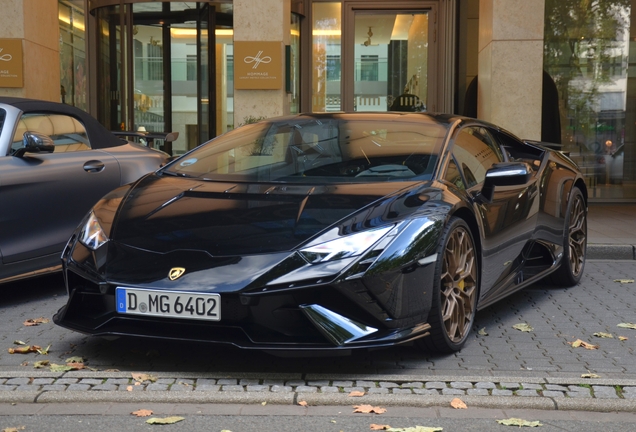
(263, 20)
(511, 64)
(35, 22)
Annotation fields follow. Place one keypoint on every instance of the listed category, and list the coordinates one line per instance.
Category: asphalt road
(558, 317)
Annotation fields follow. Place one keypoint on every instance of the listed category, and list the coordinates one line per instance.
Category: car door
(44, 196)
(509, 219)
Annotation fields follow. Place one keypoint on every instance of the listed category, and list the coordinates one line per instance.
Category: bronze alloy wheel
(578, 235)
(458, 289)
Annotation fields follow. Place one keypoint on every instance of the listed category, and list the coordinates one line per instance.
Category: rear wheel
(575, 243)
(455, 290)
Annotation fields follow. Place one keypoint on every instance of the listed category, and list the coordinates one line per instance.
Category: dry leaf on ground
(524, 327)
(374, 426)
(416, 429)
(624, 281)
(24, 349)
(13, 429)
(519, 422)
(457, 403)
(368, 409)
(302, 403)
(165, 420)
(627, 325)
(356, 393)
(622, 338)
(579, 343)
(590, 375)
(141, 377)
(482, 332)
(40, 364)
(36, 321)
(604, 335)
(44, 351)
(142, 413)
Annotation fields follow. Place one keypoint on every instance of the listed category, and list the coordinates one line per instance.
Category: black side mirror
(505, 174)
(33, 142)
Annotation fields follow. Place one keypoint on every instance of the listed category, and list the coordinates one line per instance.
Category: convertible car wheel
(575, 247)
(455, 291)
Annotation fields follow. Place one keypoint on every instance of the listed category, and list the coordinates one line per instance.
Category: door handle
(94, 166)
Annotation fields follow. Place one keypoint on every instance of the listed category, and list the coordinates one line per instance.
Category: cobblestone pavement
(540, 365)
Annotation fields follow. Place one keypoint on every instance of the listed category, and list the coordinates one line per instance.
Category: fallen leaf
(44, 351)
(40, 364)
(624, 281)
(356, 393)
(604, 335)
(622, 338)
(142, 413)
(13, 429)
(523, 327)
(374, 426)
(75, 359)
(627, 325)
(302, 403)
(165, 420)
(18, 342)
(60, 368)
(36, 321)
(519, 422)
(264, 403)
(482, 332)
(579, 343)
(368, 409)
(457, 403)
(24, 349)
(24, 363)
(590, 375)
(129, 388)
(141, 377)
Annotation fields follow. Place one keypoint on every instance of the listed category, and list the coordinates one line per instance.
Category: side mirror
(33, 142)
(505, 174)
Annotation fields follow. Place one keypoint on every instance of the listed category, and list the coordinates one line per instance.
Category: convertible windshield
(319, 150)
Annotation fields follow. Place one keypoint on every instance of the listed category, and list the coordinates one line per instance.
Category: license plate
(168, 304)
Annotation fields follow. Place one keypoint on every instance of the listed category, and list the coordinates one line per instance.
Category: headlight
(343, 247)
(92, 235)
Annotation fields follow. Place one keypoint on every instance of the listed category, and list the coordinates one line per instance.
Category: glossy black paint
(242, 240)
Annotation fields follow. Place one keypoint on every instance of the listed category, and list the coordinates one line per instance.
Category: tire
(455, 290)
(574, 244)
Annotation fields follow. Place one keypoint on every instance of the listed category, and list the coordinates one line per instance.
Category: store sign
(11, 71)
(258, 65)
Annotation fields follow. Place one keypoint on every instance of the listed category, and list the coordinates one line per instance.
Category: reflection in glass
(326, 53)
(72, 53)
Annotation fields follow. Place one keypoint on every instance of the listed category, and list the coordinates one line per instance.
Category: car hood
(164, 214)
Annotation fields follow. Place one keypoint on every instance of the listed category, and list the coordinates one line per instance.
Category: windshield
(319, 150)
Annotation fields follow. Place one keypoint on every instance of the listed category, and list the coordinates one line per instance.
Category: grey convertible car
(56, 162)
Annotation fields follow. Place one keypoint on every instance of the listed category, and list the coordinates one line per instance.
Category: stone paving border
(486, 392)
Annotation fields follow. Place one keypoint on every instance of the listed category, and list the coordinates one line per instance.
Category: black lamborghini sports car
(328, 232)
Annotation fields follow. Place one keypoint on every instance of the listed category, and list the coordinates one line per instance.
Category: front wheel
(455, 290)
(575, 242)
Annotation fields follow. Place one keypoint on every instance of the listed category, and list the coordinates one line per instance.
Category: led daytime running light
(344, 247)
(92, 235)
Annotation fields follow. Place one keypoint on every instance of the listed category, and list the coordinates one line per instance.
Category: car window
(3, 114)
(475, 152)
(67, 132)
(453, 175)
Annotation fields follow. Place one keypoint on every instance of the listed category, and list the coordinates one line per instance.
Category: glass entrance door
(391, 55)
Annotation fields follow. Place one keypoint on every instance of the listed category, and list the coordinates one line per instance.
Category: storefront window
(326, 54)
(590, 55)
(72, 53)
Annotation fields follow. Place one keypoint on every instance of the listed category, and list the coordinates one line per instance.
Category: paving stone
(329, 389)
(555, 387)
(27, 387)
(280, 389)
(296, 383)
(165, 381)
(553, 393)
(453, 391)
(5, 387)
(485, 385)
(42, 381)
(117, 381)
(402, 391)
(209, 387)
(257, 388)
(157, 387)
(274, 382)
(205, 381)
(105, 387)
(365, 384)
(500, 392)
(527, 393)
(91, 381)
(385, 384)
(232, 388)
(576, 388)
(185, 382)
(306, 389)
(131, 388)
(176, 387)
(378, 390)
(321, 383)
(461, 385)
(226, 381)
(18, 381)
(54, 387)
(529, 386)
(631, 395)
(78, 387)
(477, 392)
(66, 381)
(342, 383)
(629, 389)
(578, 394)
(509, 386)
(604, 392)
(350, 389)
(427, 392)
(249, 382)
(416, 384)
(435, 385)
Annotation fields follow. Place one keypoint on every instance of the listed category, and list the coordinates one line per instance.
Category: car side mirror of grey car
(33, 142)
(505, 174)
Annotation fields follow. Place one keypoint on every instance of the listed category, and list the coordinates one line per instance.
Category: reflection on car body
(329, 232)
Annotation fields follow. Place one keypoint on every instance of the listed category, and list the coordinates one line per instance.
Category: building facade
(555, 70)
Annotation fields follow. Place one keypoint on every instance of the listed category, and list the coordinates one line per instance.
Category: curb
(611, 252)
